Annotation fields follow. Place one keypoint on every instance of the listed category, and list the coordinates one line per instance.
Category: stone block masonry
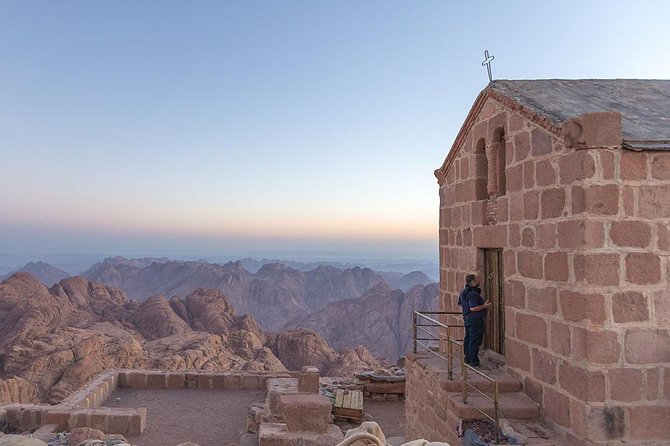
(83, 407)
(308, 381)
(294, 413)
(583, 227)
(308, 412)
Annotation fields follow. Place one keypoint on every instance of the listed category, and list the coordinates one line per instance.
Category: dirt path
(205, 417)
(390, 415)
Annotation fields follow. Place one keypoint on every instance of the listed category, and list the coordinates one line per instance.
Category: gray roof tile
(644, 104)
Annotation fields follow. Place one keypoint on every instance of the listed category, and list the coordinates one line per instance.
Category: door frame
(494, 290)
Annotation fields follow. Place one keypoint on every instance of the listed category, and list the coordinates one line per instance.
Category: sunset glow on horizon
(129, 127)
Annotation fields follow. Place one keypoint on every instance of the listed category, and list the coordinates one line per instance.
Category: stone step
(506, 382)
(512, 405)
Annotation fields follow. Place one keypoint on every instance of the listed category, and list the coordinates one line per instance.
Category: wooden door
(494, 290)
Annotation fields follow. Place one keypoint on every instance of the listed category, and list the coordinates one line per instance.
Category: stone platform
(83, 408)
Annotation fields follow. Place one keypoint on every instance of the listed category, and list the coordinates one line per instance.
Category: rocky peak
(156, 319)
(296, 348)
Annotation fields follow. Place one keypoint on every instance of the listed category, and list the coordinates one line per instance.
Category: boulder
(81, 434)
(20, 440)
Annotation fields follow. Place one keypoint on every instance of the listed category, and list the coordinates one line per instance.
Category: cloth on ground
(370, 434)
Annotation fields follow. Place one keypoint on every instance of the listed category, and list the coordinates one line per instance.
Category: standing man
(474, 315)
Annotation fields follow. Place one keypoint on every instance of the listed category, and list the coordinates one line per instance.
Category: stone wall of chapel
(586, 245)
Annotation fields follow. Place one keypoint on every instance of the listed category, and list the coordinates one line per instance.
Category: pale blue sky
(192, 126)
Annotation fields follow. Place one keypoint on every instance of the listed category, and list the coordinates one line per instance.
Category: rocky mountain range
(273, 295)
(325, 299)
(53, 340)
(381, 319)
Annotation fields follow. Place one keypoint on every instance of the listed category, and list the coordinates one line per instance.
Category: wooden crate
(349, 404)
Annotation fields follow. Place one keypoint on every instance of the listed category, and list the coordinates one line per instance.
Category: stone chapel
(557, 194)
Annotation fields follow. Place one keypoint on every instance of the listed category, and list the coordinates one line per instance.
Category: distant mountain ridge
(273, 295)
(42, 271)
(381, 319)
(427, 269)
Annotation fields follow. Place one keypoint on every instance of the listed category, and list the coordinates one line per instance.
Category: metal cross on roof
(487, 61)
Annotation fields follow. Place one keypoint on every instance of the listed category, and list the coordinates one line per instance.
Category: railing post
(495, 409)
(414, 330)
(450, 359)
(464, 376)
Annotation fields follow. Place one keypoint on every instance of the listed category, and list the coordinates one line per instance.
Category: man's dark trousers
(474, 334)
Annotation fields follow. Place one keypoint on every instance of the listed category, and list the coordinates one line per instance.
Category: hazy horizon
(401, 261)
(202, 127)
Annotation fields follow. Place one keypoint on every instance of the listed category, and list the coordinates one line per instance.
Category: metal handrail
(450, 357)
(437, 338)
(466, 385)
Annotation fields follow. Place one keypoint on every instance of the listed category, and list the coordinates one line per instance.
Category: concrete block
(306, 412)
(176, 381)
(57, 417)
(232, 381)
(138, 421)
(156, 381)
(308, 381)
(276, 387)
(122, 379)
(30, 417)
(78, 419)
(118, 423)
(251, 382)
(191, 380)
(98, 420)
(137, 380)
(277, 434)
(113, 381)
(204, 381)
(218, 382)
(105, 390)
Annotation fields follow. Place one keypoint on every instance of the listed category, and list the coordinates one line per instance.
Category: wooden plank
(347, 400)
(354, 399)
(342, 412)
(339, 397)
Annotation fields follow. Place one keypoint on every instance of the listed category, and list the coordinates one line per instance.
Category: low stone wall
(426, 401)
(94, 393)
(83, 407)
(149, 379)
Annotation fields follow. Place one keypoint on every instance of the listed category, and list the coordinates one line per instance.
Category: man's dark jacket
(471, 297)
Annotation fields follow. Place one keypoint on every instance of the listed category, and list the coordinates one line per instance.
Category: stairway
(512, 401)
(523, 414)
